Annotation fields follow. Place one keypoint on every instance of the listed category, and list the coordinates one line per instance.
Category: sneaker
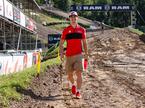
(78, 95)
(73, 90)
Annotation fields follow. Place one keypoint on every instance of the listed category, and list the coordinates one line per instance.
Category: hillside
(63, 14)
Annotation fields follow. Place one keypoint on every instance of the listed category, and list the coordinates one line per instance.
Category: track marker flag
(38, 64)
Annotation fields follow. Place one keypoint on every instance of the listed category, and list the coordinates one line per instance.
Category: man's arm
(61, 48)
(85, 48)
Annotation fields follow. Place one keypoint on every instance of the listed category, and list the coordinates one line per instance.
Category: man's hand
(86, 56)
(61, 56)
(61, 49)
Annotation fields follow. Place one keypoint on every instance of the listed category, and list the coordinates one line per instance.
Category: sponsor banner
(120, 7)
(14, 64)
(22, 19)
(8, 10)
(16, 15)
(10, 64)
(29, 59)
(53, 38)
(17, 63)
(35, 58)
(5, 64)
(30, 24)
(2, 8)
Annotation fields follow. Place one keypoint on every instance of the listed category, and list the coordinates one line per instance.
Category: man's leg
(79, 68)
(69, 70)
(70, 77)
(79, 79)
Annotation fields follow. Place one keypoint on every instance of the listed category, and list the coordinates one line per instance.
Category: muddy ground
(114, 79)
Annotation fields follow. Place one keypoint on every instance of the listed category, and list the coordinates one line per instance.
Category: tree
(63, 4)
(101, 16)
(40, 2)
(119, 19)
(140, 6)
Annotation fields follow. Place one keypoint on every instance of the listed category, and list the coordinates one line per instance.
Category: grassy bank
(8, 83)
(136, 31)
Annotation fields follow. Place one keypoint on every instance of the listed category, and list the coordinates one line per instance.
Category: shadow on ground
(29, 92)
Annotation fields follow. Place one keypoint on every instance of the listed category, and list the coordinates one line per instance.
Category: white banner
(17, 62)
(5, 64)
(22, 19)
(8, 65)
(2, 7)
(30, 56)
(1, 65)
(8, 10)
(11, 64)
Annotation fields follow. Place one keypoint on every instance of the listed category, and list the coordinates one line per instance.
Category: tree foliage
(119, 19)
(63, 4)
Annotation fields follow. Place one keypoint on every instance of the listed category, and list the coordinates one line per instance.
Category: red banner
(30, 24)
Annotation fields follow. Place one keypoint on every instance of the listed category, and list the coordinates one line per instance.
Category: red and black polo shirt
(73, 37)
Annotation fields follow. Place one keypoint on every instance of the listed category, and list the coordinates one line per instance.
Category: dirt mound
(117, 60)
(44, 92)
(44, 31)
(117, 39)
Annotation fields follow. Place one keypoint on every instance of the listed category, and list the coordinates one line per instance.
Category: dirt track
(115, 77)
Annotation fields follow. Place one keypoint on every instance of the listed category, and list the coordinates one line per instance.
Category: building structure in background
(18, 29)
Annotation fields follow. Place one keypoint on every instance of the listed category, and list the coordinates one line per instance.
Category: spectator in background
(102, 26)
(46, 2)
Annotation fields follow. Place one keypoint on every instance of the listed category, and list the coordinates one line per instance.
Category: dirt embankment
(114, 79)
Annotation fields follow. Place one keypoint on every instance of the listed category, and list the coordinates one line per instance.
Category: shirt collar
(75, 27)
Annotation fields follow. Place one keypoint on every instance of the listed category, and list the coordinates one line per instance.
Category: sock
(78, 90)
(71, 84)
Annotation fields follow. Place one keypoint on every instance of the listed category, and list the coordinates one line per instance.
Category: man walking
(75, 36)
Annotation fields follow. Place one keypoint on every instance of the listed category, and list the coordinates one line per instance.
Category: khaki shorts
(74, 63)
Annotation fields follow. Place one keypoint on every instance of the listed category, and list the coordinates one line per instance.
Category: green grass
(8, 83)
(48, 19)
(53, 51)
(58, 26)
(136, 31)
